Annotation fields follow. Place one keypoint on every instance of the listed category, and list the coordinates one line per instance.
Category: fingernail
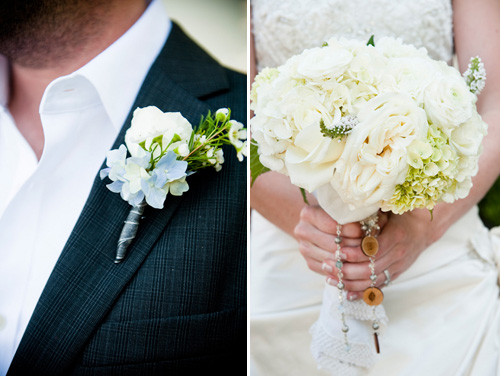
(327, 267)
(331, 281)
(343, 256)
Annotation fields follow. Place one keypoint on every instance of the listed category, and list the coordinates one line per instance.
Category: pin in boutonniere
(164, 150)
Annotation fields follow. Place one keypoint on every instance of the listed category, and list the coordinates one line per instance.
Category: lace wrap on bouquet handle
(328, 345)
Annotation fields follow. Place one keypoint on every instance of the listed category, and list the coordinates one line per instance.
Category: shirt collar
(117, 73)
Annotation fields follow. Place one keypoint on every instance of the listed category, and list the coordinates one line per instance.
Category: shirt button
(3, 322)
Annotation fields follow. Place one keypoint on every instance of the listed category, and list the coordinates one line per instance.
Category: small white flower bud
(183, 150)
(221, 114)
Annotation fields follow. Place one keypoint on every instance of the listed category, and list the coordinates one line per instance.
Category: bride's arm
(477, 33)
(277, 200)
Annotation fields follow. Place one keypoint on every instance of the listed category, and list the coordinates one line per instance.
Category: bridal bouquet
(366, 128)
(370, 127)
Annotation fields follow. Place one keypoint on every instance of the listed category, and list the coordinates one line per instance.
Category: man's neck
(28, 83)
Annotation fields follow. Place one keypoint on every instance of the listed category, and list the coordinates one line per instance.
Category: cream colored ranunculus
(367, 65)
(408, 75)
(467, 137)
(321, 62)
(448, 102)
(392, 48)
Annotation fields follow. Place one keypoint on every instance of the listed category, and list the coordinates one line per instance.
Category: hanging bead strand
(340, 285)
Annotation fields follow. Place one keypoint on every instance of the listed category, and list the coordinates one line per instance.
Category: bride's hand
(402, 238)
(401, 241)
(316, 233)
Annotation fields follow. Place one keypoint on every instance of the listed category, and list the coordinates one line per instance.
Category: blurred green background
(489, 207)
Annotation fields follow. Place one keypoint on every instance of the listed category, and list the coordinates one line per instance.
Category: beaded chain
(340, 285)
(372, 296)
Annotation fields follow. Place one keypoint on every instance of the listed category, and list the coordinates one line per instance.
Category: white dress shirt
(40, 202)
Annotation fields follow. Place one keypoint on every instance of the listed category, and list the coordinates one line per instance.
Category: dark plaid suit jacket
(177, 303)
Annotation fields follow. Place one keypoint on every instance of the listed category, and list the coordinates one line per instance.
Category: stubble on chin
(46, 33)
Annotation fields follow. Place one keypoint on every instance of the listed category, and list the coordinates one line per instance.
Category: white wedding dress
(444, 316)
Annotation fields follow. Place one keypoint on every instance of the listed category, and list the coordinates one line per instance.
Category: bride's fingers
(351, 242)
(348, 255)
(351, 230)
(315, 257)
(322, 220)
(360, 271)
(307, 234)
(355, 288)
(383, 218)
(353, 252)
(311, 234)
(318, 217)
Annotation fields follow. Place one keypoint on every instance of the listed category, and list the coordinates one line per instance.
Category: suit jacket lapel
(85, 282)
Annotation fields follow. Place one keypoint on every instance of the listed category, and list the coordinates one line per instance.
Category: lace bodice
(284, 28)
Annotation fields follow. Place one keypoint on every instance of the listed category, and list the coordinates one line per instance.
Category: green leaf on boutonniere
(256, 168)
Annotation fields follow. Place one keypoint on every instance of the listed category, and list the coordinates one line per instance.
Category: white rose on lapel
(149, 125)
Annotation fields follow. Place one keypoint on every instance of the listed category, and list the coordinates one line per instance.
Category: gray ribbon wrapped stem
(129, 230)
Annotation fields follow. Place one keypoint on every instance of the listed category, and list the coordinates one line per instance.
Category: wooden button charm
(373, 296)
(369, 246)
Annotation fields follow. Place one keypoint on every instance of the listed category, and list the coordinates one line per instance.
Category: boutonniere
(164, 150)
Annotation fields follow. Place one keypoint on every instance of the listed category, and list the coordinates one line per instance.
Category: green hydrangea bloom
(432, 167)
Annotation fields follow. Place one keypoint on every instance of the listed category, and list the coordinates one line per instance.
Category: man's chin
(37, 33)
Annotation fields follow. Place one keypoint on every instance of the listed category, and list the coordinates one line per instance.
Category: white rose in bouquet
(310, 160)
(374, 160)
